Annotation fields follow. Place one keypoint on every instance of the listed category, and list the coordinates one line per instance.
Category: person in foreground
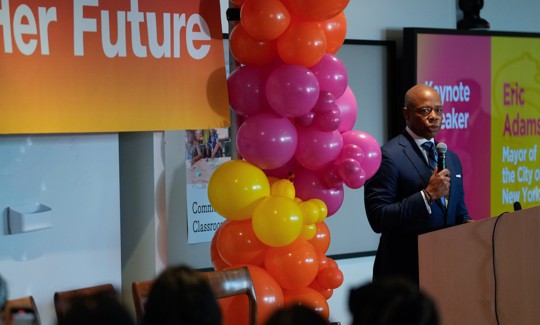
(98, 308)
(296, 314)
(181, 295)
(407, 197)
(391, 301)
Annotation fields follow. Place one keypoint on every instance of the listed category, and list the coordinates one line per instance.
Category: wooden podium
(457, 270)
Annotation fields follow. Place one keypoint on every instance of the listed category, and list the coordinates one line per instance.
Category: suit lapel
(415, 156)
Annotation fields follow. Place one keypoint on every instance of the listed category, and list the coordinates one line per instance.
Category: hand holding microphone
(439, 184)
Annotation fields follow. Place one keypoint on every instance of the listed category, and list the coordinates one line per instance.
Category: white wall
(77, 177)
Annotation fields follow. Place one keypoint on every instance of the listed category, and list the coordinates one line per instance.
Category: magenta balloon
(316, 149)
(351, 172)
(331, 74)
(305, 120)
(308, 185)
(352, 151)
(267, 140)
(325, 102)
(328, 121)
(370, 147)
(330, 177)
(286, 171)
(292, 90)
(349, 110)
(247, 95)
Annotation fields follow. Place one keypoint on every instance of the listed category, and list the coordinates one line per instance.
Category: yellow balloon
(310, 212)
(283, 187)
(323, 210)
(308, 231)
(236, 187)
(277, 221)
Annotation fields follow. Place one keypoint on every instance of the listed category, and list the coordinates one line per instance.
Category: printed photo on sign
(206, 150)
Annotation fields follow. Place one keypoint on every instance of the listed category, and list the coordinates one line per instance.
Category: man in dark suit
(406, 197)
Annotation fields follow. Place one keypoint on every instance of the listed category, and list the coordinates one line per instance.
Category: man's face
(424, 112)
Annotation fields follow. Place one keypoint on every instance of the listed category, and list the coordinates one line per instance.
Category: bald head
(420, 91)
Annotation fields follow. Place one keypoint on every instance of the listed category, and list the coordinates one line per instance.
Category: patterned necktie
(430, 150)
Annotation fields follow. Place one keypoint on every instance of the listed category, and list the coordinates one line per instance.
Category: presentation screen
(489, 84)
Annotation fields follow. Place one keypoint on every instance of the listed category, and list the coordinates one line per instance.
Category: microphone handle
(441, 164)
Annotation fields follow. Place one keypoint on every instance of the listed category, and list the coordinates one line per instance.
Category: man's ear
(405, 112)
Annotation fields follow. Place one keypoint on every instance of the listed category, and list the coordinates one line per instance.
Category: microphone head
(441, 147)
(517, 206)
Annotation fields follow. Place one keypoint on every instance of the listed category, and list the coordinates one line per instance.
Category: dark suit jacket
(396, 209)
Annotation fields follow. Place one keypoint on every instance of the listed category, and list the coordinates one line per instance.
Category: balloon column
(299, 150)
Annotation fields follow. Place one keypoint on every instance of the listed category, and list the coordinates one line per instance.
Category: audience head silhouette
(296, 314)
(98, 308)
(3, 292)
(181, 295)
(391, 301)
(3, 296)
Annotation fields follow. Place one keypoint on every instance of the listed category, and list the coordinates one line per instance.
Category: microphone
(517, 206)
(441, 154)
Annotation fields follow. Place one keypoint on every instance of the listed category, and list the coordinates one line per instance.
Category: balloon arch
(299, 150)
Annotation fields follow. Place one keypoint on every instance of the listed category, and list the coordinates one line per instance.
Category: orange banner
(110, 66)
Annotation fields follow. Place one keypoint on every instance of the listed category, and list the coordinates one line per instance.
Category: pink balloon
(348, 109)
(292, 90)
(352, 174)
(330, 177)
(267, 140)
(308, 185)
(305, 120)
(247, 95)
(316, 149)
(325, 102)
(286, 171)
(331, 74)
(370, 147)
(328, 121)
(351, 151)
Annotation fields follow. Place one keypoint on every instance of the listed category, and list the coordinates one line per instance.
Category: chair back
(232, 282)
(19, 309)
(62, 299)
(140, 291)
(224, 283)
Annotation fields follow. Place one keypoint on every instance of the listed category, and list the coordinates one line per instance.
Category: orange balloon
(331, 262)
(323, 261)
(330, 278)
(303, 43)
(315, 10)
(249, 51)
(308, 297)
(264, 20)
(335, 30)
(217, 261)
(269, 298)
(237, 3)
(321, 240)
(238, 244)
(327, 293)
(293, 266)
